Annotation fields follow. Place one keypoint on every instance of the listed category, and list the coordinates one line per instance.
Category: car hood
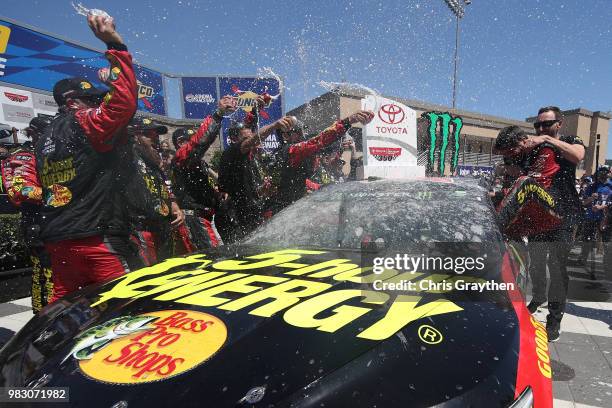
(249, 326)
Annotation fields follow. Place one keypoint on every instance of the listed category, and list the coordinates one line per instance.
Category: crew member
(191, 182)
(570, 151)
(240, 178)
(296, 155)
(152, 207)
(23, 188)
(552, 159)
(79, 162)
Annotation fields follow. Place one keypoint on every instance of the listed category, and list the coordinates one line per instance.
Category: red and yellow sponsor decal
(32, 192)
(59, 196)
(164, 209)
(174, 342)
(114, 73)
(247, 101)
(541, 349)
(107, 98)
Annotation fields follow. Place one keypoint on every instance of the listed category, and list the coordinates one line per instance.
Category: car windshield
(394, 214)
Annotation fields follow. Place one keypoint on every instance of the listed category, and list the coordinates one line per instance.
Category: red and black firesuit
(79, 163)
(149, 198)
(23, 188)
(297, 163)
(192, 187)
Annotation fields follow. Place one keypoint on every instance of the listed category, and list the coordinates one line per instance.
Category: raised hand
(104, 29)
(363, 117)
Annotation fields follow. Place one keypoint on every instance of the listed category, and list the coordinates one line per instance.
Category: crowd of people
(100, 195)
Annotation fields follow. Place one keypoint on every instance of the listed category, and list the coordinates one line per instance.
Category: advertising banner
(390, 140)
(469, 170)
(200, 97)
(391, 136)
(443, 141)
(35, 60)
(246, 90)
(18, 107)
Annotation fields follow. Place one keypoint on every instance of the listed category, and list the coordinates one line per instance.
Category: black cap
(75, 88)
(181, 133)
(146, 124)
(38, 125)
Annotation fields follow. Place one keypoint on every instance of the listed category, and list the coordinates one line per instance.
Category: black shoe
(533, 306)
(553, 330)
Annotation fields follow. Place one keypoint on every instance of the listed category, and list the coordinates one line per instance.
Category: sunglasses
(544, 123)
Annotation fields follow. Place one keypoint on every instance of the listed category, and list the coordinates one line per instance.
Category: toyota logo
(391, 114)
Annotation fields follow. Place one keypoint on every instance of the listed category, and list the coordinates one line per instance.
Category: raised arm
(303, 150)
(193, 151)
(101, 124)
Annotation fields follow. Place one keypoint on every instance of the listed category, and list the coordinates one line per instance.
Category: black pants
(589, 237)
(42, 281)
(550, 249)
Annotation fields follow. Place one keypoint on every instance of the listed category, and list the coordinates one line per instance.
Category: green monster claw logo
(445, 121)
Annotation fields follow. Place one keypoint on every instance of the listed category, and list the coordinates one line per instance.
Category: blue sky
(515, 55)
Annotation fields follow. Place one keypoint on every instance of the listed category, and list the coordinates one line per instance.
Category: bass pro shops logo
(149, 347)
(443, 130)
(391, 114)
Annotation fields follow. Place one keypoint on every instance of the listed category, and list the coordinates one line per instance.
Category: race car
(364, 294)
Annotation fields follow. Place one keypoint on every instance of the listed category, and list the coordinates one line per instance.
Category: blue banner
(246, 90)
(200, 97)
(37, 60)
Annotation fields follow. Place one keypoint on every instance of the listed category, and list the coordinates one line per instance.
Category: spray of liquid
(84, 11)
(266, 72)
(339, 87)
(262, 73)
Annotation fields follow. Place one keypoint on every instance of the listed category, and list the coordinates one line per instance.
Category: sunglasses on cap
(544, 123)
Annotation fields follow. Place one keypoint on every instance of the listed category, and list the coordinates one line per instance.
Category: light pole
(457, 8)
(597, 142)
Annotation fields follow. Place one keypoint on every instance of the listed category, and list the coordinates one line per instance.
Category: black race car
(365, 294)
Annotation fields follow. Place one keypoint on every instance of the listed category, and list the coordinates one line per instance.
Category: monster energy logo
(445, 120)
